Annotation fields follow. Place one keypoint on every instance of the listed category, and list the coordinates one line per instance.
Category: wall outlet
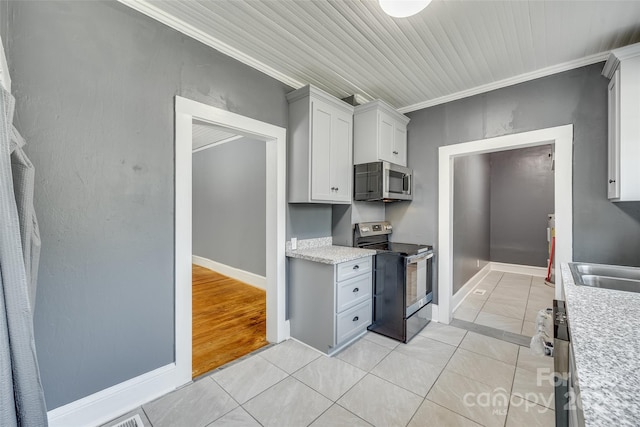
(294, 243)
(477, 263)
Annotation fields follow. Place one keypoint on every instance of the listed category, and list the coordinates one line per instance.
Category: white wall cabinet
(623, 68)
(329, 305)
(380, 133)
(319, 147)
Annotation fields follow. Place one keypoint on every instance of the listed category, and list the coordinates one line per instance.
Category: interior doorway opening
(562, 139)
(274, 138)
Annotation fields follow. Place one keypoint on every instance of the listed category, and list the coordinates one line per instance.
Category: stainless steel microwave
(382, 182)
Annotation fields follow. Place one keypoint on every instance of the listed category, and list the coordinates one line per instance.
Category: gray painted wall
(603, 232)
(471, 216)
(229, 204)
(95, 85)
(521, 198)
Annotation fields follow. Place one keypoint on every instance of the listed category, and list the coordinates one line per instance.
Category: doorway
(186, 111)
(228, 245)
(562, 139)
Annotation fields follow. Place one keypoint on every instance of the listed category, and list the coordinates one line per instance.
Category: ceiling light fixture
(403, 8)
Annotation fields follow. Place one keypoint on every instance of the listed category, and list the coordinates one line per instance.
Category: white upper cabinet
(320, 144)
(623, 68)
(380, 133)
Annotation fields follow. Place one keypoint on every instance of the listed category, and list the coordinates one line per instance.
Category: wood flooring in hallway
(229, 319)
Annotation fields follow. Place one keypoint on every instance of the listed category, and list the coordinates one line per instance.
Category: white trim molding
(562, 138)
(5, 78)
(147, 8)
(529, 270)
(521, 78)
(105, 405)
(247, 277)
(469, 287)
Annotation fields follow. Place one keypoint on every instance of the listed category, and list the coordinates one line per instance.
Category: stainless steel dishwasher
(567, 394)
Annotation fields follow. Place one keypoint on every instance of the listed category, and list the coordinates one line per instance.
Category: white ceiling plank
(450, 49)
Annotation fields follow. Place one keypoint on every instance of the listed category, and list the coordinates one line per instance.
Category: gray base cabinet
(329, 305)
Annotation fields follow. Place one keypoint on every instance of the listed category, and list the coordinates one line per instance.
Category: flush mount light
(403, 8)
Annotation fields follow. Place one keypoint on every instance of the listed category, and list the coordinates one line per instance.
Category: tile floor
(444, 377)
(511, 302)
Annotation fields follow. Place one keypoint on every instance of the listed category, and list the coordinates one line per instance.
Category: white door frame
(562, 138)
(275, 138)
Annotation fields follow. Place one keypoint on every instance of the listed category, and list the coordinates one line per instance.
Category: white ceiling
(450, 50)
(205, 135)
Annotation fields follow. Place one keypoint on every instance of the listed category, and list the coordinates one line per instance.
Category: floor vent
(479, 292)
(134, 421)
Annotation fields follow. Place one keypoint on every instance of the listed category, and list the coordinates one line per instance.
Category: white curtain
(21, 395)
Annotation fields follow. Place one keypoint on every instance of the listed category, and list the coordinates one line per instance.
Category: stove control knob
(388, 227)
(365, 229)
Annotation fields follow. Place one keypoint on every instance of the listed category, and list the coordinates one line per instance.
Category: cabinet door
(613, 189)
(321, 135)
(399, 144)
(385, 137)
(341, 157)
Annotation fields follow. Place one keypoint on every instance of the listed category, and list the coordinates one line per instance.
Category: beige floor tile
(290, 355)
(494, 373)
(539, 302)
(494, 276)
(330, 376)
(525, 413)
(531, 313)
(517, 277)
(499, 322)
(516, 291)
(471, 399)
(381, 403)
(491, 347)
(536, 387)
(401, 370)
(466, 314)
(473, 303)
(443, 333)
(515, 311)
(337, 416)
(248, 378)
(428, 350)
(236, 418)
(479, 296)
(520, 303)
(528, 329)
(532, 362)
(288, 403)
(381, 340)
(431, 415)
(364, 354)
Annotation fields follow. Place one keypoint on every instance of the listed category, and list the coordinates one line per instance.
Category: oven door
(419, 282)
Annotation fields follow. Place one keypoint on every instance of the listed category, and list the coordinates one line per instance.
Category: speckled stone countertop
(321, 250)
(605, 334)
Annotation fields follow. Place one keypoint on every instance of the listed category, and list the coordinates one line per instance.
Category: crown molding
(147, 8)
(543, 72)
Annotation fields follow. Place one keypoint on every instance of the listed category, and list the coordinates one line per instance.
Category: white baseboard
(235, 273)
(468, 287)
(519, 269)
(110, 403)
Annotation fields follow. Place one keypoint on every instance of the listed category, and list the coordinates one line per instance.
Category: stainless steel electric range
(403, 281)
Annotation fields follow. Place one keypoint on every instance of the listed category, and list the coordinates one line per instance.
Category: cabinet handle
(355, 319)
(356, 289)
(355, 267)
(333, 188)
(611, 181)
(395, 152)
(336, 188)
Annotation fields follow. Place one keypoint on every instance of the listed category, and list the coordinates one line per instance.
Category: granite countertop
(605, 335)
(322, 250)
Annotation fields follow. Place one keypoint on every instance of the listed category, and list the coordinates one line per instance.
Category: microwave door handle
(407, 184)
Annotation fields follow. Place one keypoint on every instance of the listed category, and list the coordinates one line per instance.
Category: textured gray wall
(521, 198)
(471, 216)
(95, 85)
(603, 232)
(229, 200)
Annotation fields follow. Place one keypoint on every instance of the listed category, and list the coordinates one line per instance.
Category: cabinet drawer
(349, 269)
(353, 321)
(353, 291)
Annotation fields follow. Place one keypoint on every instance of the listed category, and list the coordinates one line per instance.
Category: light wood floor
(229, 320)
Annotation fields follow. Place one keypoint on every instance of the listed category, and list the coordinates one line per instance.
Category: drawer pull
(395, 152)
(356, 289)
(355, 267)
(355, 319)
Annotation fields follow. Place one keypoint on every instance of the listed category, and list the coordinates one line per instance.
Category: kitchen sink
(606, 276)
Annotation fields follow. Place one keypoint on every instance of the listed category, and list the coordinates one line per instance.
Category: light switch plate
(294, 243)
